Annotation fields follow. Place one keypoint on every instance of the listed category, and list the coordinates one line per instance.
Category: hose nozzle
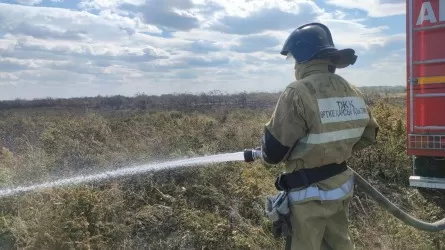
(252, 155)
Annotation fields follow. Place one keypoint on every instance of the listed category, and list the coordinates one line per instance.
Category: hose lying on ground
(396, 211)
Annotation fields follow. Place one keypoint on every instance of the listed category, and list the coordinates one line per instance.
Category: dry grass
(215, 207)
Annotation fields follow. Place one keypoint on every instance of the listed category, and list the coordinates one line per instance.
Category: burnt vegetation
(218, 206)
(172, 101)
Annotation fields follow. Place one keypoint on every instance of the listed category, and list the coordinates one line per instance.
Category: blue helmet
(314, 41)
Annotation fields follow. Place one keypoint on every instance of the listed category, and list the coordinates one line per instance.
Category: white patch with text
(339, 109)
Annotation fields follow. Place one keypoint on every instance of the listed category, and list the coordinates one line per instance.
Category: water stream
(127, 171)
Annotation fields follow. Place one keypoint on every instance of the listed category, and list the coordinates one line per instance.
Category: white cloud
(374, 8)
(389, 70)
(34, 21)
(154, 46)
(355, 34)
(259, 16)
(252, 43)
(29, 2)
(106, 4)
(171, 15)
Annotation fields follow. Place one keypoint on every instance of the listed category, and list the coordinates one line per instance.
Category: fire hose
(251, 155)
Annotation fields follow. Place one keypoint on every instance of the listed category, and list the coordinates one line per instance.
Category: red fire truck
(425, 47)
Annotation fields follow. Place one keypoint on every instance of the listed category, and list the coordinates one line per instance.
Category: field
(213, 207)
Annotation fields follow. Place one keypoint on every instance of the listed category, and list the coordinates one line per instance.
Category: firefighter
(318, 122)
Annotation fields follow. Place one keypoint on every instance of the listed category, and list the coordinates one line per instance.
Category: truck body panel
(425, 54)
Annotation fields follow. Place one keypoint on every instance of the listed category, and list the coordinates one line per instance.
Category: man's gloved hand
(278, 211)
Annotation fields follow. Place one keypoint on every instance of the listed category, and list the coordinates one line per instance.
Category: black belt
(308, 176)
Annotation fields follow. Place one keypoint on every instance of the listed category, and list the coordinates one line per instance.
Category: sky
(68, 48)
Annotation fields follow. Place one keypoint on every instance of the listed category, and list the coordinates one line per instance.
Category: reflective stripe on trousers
(315, 192)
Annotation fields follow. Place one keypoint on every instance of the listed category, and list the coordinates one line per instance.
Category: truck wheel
(427, 166)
